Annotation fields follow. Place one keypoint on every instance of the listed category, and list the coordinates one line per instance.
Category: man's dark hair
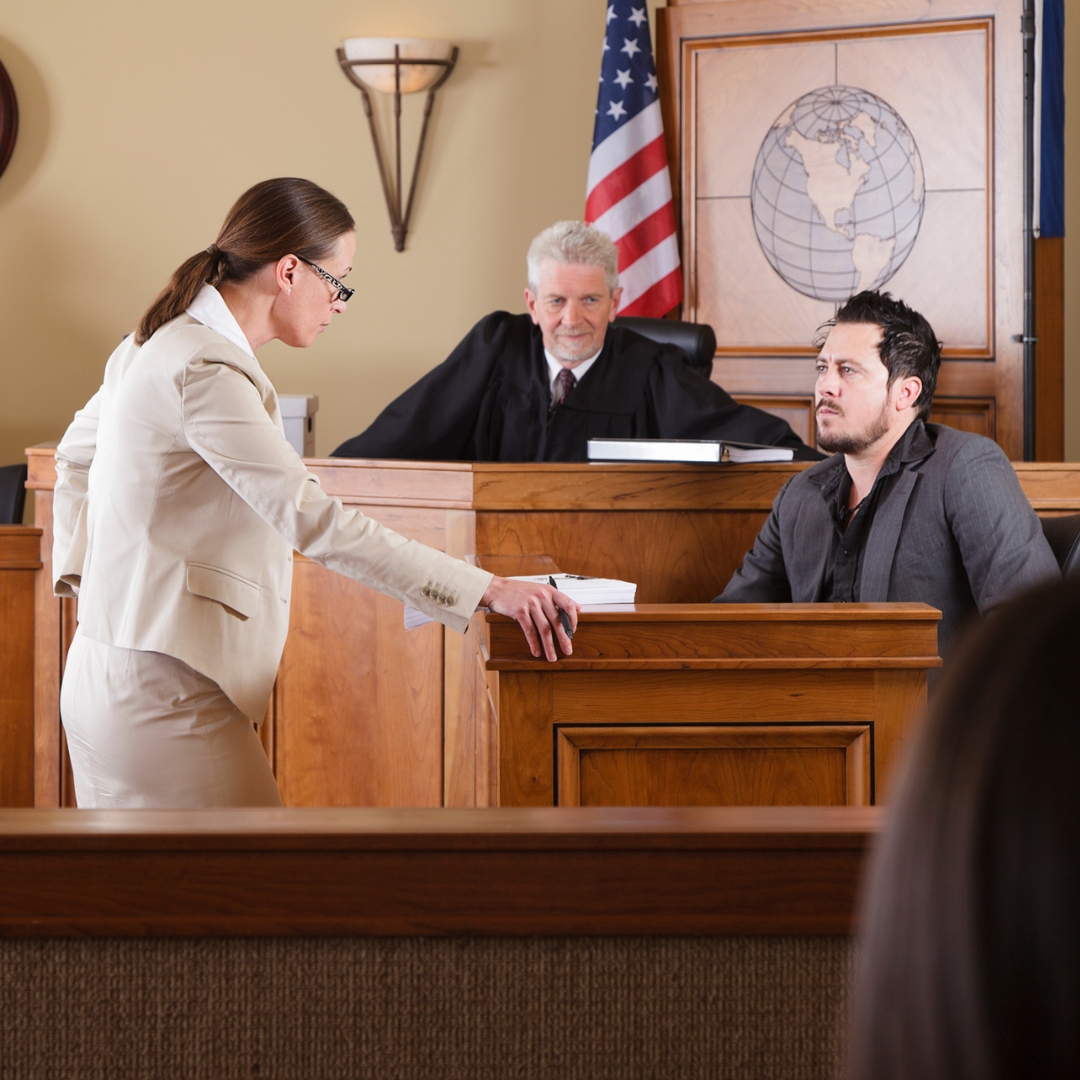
(908, 344)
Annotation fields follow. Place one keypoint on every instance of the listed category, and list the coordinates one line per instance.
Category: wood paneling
(496, 486)
(718, 704)
(734, 636)
(898, 695)
(693, 36)
(714, 765)
(359, 700)
(20, 559)
(796, 409)
(1050, 487)
(1050, 348)
(48, 648)
(344, 872)
(684, 527)
(965, 414)
(674, 556)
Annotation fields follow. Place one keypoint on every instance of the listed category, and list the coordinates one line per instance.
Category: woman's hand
(534, 606)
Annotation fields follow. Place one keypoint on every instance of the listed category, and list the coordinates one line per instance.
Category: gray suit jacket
(954, 530)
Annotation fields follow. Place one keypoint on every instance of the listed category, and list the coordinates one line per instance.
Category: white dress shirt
(555, 365)
(210, 309)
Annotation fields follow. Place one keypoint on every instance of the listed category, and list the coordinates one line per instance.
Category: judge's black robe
(489, 401)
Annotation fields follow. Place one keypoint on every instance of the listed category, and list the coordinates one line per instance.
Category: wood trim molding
(20, 547)
(853, 739)
(758, 870)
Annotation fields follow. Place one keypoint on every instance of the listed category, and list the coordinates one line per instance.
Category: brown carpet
(418, 1008)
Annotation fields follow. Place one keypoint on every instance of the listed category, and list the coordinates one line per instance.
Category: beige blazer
(178, 505)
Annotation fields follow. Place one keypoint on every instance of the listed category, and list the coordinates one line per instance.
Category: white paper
(588, 590)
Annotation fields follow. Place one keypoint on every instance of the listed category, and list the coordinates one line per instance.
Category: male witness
(904, 510)
(538, 386)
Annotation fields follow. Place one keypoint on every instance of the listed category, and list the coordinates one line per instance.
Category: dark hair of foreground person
(970, 958)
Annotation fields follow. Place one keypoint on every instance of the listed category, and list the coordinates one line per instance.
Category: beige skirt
(145, 730)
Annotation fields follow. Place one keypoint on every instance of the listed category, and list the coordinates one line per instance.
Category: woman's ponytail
(182, 289)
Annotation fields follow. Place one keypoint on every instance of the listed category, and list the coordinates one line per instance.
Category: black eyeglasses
(344, 293)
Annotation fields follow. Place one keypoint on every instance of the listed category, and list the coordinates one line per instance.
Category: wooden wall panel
(729, 696)
(796, 409)
(1050, 348)
(898, 696)
(462, 696)
(274, 873)
(674, 557)
(359, 702)
(709, 45)
(595, 520)
(20, 559)
(714, 765)
(48, 664)
(972, 414)
(712, 705)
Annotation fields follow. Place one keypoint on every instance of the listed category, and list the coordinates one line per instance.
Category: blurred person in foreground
(970, 960)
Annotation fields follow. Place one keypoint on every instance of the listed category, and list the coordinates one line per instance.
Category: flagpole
(1028, 337)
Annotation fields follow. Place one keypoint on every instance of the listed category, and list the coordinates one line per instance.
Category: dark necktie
(565, 381)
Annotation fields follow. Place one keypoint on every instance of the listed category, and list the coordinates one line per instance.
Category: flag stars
(623, 79)
(630, 47)
(616, 110)
(637, 16)
(651, 83)
(610, 13)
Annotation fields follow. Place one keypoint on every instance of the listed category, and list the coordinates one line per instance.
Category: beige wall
(142, 122)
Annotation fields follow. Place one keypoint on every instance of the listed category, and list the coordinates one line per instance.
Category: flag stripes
(628, 194)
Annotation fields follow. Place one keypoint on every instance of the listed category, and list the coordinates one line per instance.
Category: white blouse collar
(210, 309)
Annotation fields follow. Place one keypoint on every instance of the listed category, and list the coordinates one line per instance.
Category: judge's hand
(534, 607)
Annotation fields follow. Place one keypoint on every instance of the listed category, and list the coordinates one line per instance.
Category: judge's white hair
(573, 243)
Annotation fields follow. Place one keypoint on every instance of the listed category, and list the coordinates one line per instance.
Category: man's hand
(534, 607)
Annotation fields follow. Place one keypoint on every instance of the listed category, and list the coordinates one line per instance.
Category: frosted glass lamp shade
(414, 77)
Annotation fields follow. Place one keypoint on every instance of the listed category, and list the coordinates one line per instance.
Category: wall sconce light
(397, 66)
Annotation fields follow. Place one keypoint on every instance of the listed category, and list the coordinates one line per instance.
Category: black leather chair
(697, 340)
(12, 494)
(1063, 534)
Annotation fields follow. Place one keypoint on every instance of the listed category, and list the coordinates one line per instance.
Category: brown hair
(970, 960)
(286, 216)
(908, 344)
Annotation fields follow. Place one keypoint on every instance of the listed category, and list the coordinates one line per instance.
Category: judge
(537, 387)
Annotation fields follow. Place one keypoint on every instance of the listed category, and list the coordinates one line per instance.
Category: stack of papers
(589, 590)
(585, 590)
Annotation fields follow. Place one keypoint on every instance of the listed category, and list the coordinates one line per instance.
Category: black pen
(563, 617)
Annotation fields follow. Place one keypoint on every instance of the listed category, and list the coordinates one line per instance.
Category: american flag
(629, 191)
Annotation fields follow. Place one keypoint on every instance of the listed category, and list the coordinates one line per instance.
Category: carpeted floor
(418, 1008)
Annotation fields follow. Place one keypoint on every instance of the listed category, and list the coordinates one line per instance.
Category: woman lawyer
(179, 502)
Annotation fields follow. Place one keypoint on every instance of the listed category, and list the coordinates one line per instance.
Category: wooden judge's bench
(671, 702)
